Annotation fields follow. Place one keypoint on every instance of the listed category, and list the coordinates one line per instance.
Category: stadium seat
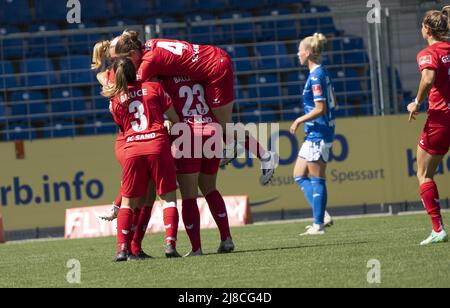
(10, 48)
(68, 103)
(273, 55)
(19, 131)
(264, 86)
(21, 105)
(95, 10)
(15, 12)
(140, 8)
(82, 43)
(46, 10)
(240, 57)
(275, 30)
(76, 69)
(241, 30)
(207, 35)
(122, 22)
(45, 46)
(6, 78)
(41, 72)
(310, 25)
(171, 7)
(216, 5)
(63, 128)
(247, 4)
(166, 32)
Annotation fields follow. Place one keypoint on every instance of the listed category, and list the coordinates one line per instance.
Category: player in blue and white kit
(319, 119)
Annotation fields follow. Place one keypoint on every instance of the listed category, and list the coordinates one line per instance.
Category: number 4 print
(174, 47)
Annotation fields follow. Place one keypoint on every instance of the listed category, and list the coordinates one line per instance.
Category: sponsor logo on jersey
(425, 60)
(446, 59)
(148, 46)
(317, 89)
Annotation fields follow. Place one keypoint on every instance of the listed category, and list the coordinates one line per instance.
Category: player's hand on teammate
(168, 125)
(413, 109)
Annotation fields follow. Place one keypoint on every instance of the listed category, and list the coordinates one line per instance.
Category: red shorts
(208, 166)
(120, 150)
(435, 138)
(220, 89)
(139, 170)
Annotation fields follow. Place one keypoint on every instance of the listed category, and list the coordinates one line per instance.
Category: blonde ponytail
(315, 44)
(99, 55)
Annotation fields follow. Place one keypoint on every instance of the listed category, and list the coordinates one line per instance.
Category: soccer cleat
(328, 222)
(268, 166)
(229, 154)
(435, 238)
(111, 214)
(171, 252)
(314, 230)
(197, 253)
(121, 256)
(226, 246)
(143, 255)
(132, 258)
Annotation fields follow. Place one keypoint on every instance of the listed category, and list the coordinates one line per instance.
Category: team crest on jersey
(425, 60)
(317, 89)
(446, 59)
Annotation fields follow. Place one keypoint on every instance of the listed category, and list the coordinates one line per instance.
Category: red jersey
(162, 57)
(437, 57)
(189, 101)
(141, 115)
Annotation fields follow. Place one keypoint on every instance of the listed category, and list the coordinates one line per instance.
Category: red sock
(252, 146)
(191, 219)
(171, 219)
(124, 222)
(430, 199)
(141, 228)
(219, 212)
(135, 221)
(118, 201)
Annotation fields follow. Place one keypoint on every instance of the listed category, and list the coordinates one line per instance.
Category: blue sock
(320, 197)
(305, 185)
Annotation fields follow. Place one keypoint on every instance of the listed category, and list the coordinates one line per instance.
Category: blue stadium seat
(9, 81)
(63, 128)
(296, 82)
(273, 55)
(274, 30)
(140, 8)
(20, 131)
(95, 10)
(266, 86)
(122, 22)
(82, 43)
(21, 105)
(15, 12)
(10, 48)
(239, 31)
(325, 25)
(41, 70)
(173, 33)
(349, 50)
(207, 35)
(247, 4)
(46, 10)
(68, 103)
(172, 6)
(45, 46)
(240, 57)
(3, 112)
(216, 5)
(76, 69)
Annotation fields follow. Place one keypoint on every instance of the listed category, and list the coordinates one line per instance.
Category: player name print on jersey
(133, 94)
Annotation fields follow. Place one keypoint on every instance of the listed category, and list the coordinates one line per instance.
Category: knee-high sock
(124, 222)
(430, 197)
(219, 212)
(305, 185)
(191, 219)
(319, 199)
(141, 228)
(171, 220)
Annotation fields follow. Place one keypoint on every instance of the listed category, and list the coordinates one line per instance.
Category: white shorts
(314, 151)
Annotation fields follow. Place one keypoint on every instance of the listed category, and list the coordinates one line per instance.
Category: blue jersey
(318, 87)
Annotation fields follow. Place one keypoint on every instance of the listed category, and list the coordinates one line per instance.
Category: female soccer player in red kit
(138, 108)
(170, 58)
(141, 214)
(197, 171)
(434, 143)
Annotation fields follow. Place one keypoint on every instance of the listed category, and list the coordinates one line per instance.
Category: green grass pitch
(268, 256)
